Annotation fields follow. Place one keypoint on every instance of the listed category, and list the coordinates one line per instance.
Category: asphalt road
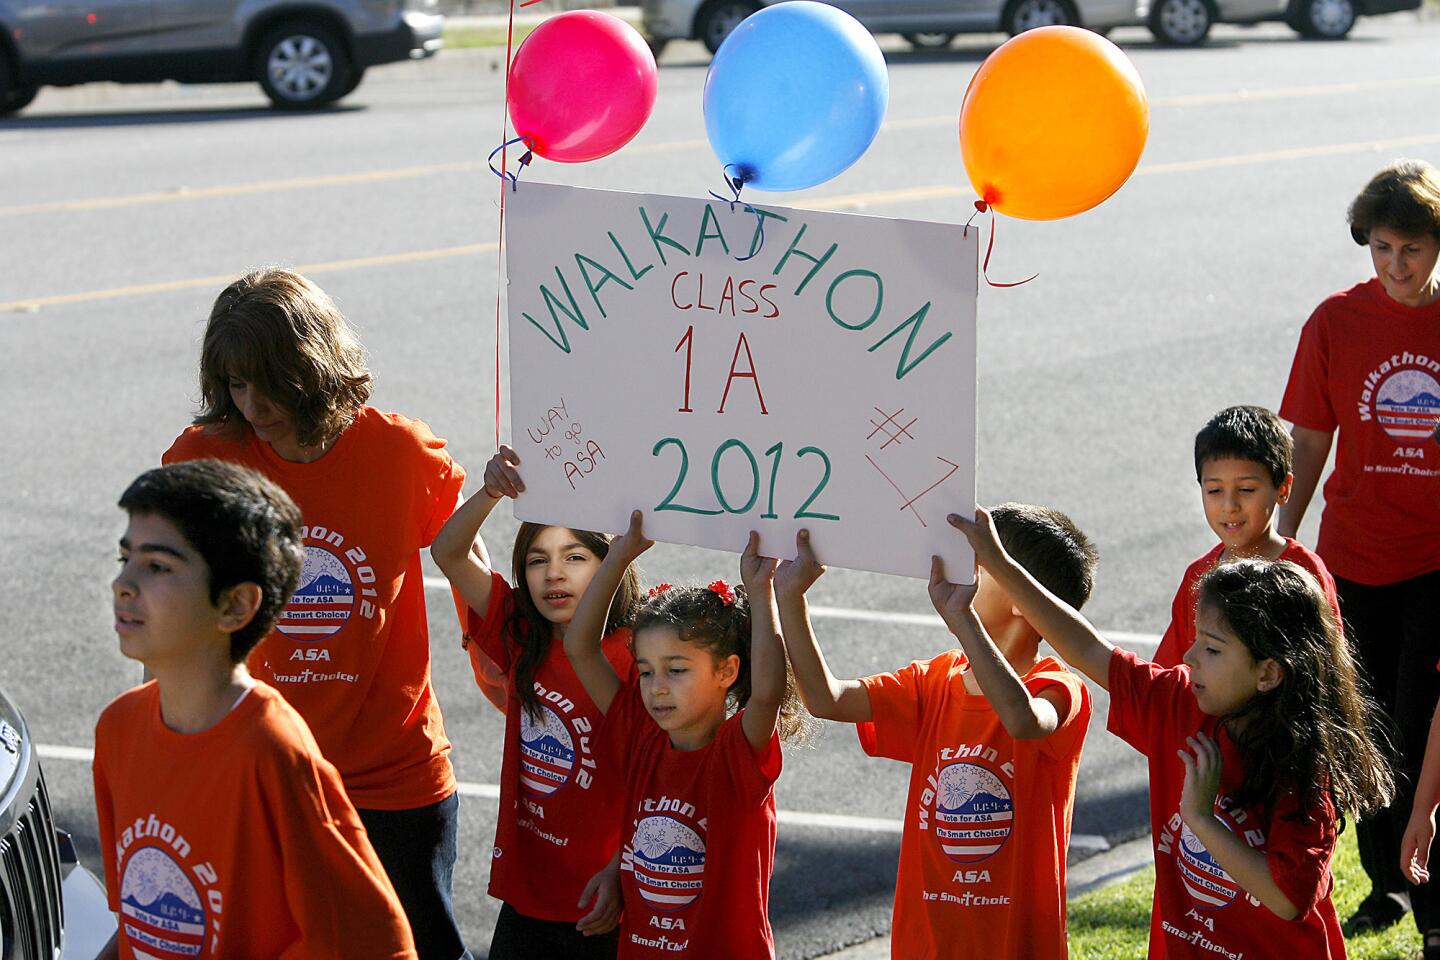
(125, 210)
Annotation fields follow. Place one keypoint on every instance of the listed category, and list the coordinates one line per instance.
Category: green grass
(461, 38)
(1114, 923)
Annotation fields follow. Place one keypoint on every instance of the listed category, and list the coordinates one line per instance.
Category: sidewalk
(1092, 873)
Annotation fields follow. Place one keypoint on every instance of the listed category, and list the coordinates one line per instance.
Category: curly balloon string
(505, 141)
(524, 161)
(982, 206)
(735, 183)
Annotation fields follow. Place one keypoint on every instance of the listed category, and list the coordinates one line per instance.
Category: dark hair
(1050, 547)
(1313, 732)
(531, 632)
(1246, 433)
(282, 334)
(242, 524)
(701, 615)
(1404, 196)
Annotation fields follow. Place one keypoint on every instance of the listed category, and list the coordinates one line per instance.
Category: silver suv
(304, 53)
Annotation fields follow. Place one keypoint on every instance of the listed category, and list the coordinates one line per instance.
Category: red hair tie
(724, 591)
(659, 588)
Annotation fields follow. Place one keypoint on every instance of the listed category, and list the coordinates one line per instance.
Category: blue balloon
(795, 95)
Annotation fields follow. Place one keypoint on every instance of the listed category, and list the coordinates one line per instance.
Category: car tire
(14, 96)
(1181, 23)
(356, 75)
(1322, 19)
(929, 41)
(13, 99)
(718, 17)
(657, 45)
(1022, 15)
(302, 64)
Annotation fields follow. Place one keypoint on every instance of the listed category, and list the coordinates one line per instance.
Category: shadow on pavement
(41, 121)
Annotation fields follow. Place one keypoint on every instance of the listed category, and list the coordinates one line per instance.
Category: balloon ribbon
(982, 207)
(735, 184)
(503, 174)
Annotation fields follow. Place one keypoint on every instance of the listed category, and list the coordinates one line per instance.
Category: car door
(193, 26)
(77, 30)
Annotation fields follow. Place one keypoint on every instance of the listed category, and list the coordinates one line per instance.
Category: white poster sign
(750, 368)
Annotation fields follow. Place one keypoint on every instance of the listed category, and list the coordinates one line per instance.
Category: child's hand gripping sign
(728, 370)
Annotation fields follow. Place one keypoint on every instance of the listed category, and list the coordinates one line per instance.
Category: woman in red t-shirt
(1368, 367)
(699, 816)
(559, 818)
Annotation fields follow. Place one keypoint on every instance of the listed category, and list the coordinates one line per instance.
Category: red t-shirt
(1199, 911)
(685, 896)
(1371, 368)
(237, 841)
(987, 819)
(1181, 632)
(559, 821)
(351, 650)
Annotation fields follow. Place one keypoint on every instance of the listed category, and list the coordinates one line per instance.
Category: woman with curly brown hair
(1368, 367)
(284, 390)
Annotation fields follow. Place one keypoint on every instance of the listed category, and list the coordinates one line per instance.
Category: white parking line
(794, 818)
(1122, 638)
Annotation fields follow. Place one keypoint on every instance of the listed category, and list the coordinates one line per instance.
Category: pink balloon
(581, 86)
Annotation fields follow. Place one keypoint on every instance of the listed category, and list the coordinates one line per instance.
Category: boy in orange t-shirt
(225, 832)
(993, 735)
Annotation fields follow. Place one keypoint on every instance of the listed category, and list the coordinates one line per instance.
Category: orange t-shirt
(987, 819)
(236, 842)
(351, 650)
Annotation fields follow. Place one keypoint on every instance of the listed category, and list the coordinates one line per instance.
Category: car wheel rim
(300, 67)
(1185, 21)
(1039, 13)
(725, 20)
(932, 39)
(1332, 18)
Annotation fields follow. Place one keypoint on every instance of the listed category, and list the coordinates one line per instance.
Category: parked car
(925, 24)
(303, 53)
(1185, 23)
(50, 905)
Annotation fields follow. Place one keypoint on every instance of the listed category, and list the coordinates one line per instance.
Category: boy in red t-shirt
(225, 833)
(1243, 458)
(993, 734)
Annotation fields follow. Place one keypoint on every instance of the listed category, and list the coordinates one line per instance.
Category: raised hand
(756, 572)
(632, 542)
(501, 477)
(951, 600)
(1202, 778)
(793, 578)
(981, 534)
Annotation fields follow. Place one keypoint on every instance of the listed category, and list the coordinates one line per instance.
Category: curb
(1092, 873)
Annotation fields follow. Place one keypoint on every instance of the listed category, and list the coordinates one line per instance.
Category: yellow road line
(219, 280)
(839, 202)
(472, 166)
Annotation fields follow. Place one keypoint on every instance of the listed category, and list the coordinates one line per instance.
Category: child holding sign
(559, 805)
(699, 781)
(993, 734)
(1256, 746)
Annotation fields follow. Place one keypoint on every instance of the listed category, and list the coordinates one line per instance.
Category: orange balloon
(1053, 123)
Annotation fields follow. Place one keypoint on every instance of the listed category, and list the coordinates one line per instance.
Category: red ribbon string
(982, 207)
(500, 242)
